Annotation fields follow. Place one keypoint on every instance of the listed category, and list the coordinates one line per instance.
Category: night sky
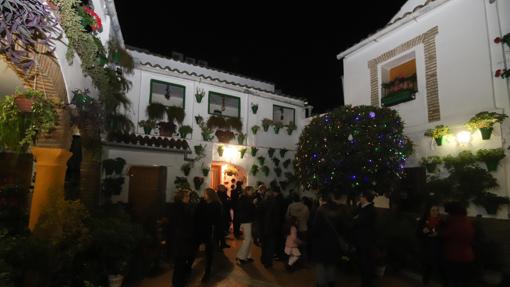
(294, 47)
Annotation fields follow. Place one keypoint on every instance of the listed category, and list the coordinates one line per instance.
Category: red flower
(497, 40)
(99, 25)
(498, 73)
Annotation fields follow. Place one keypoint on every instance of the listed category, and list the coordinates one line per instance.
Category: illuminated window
(399, 80)
(284, 115)
(167, 94)
(225, 105)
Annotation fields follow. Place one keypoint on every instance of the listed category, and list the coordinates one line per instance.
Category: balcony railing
(399, 90)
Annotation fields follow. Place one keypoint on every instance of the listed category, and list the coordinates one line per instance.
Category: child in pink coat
(292, 243)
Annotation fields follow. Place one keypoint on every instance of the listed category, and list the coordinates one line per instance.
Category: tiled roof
(153, 65)
(416, 8)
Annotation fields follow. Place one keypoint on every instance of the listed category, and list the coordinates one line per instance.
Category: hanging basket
(23, 103)
(486, 133)
(254, 108)
(439, 141)
(492, 165)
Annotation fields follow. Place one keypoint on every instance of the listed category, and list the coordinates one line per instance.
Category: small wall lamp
(463, 137)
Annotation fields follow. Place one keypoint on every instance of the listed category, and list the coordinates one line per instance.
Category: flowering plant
(90, 19)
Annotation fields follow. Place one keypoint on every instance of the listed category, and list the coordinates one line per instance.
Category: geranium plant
(491, 157)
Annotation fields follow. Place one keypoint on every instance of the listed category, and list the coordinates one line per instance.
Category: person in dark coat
(225, 202)
(257, 224)
(181, 225)
(272, 226)
(328, 230)
(458, 235)
(428, 232)
(364, 236)
(246, 212)
(234, 197)
(209, 229)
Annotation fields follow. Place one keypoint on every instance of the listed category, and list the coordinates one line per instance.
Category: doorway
(226, 174)
(147, 186)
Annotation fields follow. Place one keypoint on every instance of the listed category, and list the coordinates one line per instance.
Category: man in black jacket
(364, 234)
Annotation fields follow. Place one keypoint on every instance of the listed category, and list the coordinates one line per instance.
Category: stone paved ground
(228, 274)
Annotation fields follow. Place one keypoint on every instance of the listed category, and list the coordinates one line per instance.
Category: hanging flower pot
(439, 140)
(486, 133)
(254, 108)
(266, 123)
(199, 95)
(23, 103)
(492, 165)
(255, 129)
(147, 130)
(198, 181)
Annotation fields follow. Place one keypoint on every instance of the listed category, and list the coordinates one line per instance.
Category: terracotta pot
(23, 103)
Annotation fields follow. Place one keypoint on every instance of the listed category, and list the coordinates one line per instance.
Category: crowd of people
(304, 232)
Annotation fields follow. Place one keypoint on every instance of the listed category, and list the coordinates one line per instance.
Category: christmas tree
(352, 149)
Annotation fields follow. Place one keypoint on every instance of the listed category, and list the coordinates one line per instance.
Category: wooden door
(147, 186)
(215, 176)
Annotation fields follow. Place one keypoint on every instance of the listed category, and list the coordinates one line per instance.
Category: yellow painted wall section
(404, 70)
(51, 165)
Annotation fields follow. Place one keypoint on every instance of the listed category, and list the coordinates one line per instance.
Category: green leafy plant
(270, 151)
(491, 202)
(276, 161)
(286, 163)
(199, 150)
(261, 160)
(242, 152)
(224, 136)
(220, 150)
(291, 127)
(207, 133)
(491, 157)
(113, 166)
(185, 130)
(254, 151)
(120, 56)
(278, 171)
(255, 129)
(266, 123)
(430, 163)
(199, 95)
(147, 125)
(463, 159)
(234, 123)
(199, 120)
(254, 169)
(485, 120)
(254, 108)
(27, 27)
(438, 133)
(216, 122)
(283, 151)
(241, 138)
(186, 169)
(175, 113)
(181, 183)
(156, 111)
(197, 182)
(205, 171)
(277, 126)
(113, 180)
(265, 170)
(18, 130)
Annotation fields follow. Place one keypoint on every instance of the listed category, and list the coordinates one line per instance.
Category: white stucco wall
(466, 60)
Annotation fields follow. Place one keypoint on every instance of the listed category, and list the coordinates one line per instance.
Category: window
(225, 105)
(399, 80)
(284, 115)
(167, 94)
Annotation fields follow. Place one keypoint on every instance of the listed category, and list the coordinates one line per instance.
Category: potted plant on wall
(430, 163)
(20, 126)
(490, 201)
(291, 127)
(438, 133)
(491, 157)
(255, 129)
(254, 108)
(266, 123)
(484, 121)
(184, 131)
(241, 138)
(147, 125)
(199, 95)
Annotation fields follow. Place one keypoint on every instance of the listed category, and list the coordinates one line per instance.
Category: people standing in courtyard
(246, 212)
(271, 226)
(458, 235)
(328, 232)
(181, 225)
(208, 220)
(257, 224)
(364, 236)
(428, 232)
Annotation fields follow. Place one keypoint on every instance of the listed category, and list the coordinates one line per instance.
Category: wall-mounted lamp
(463, 137)
(229, 153)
